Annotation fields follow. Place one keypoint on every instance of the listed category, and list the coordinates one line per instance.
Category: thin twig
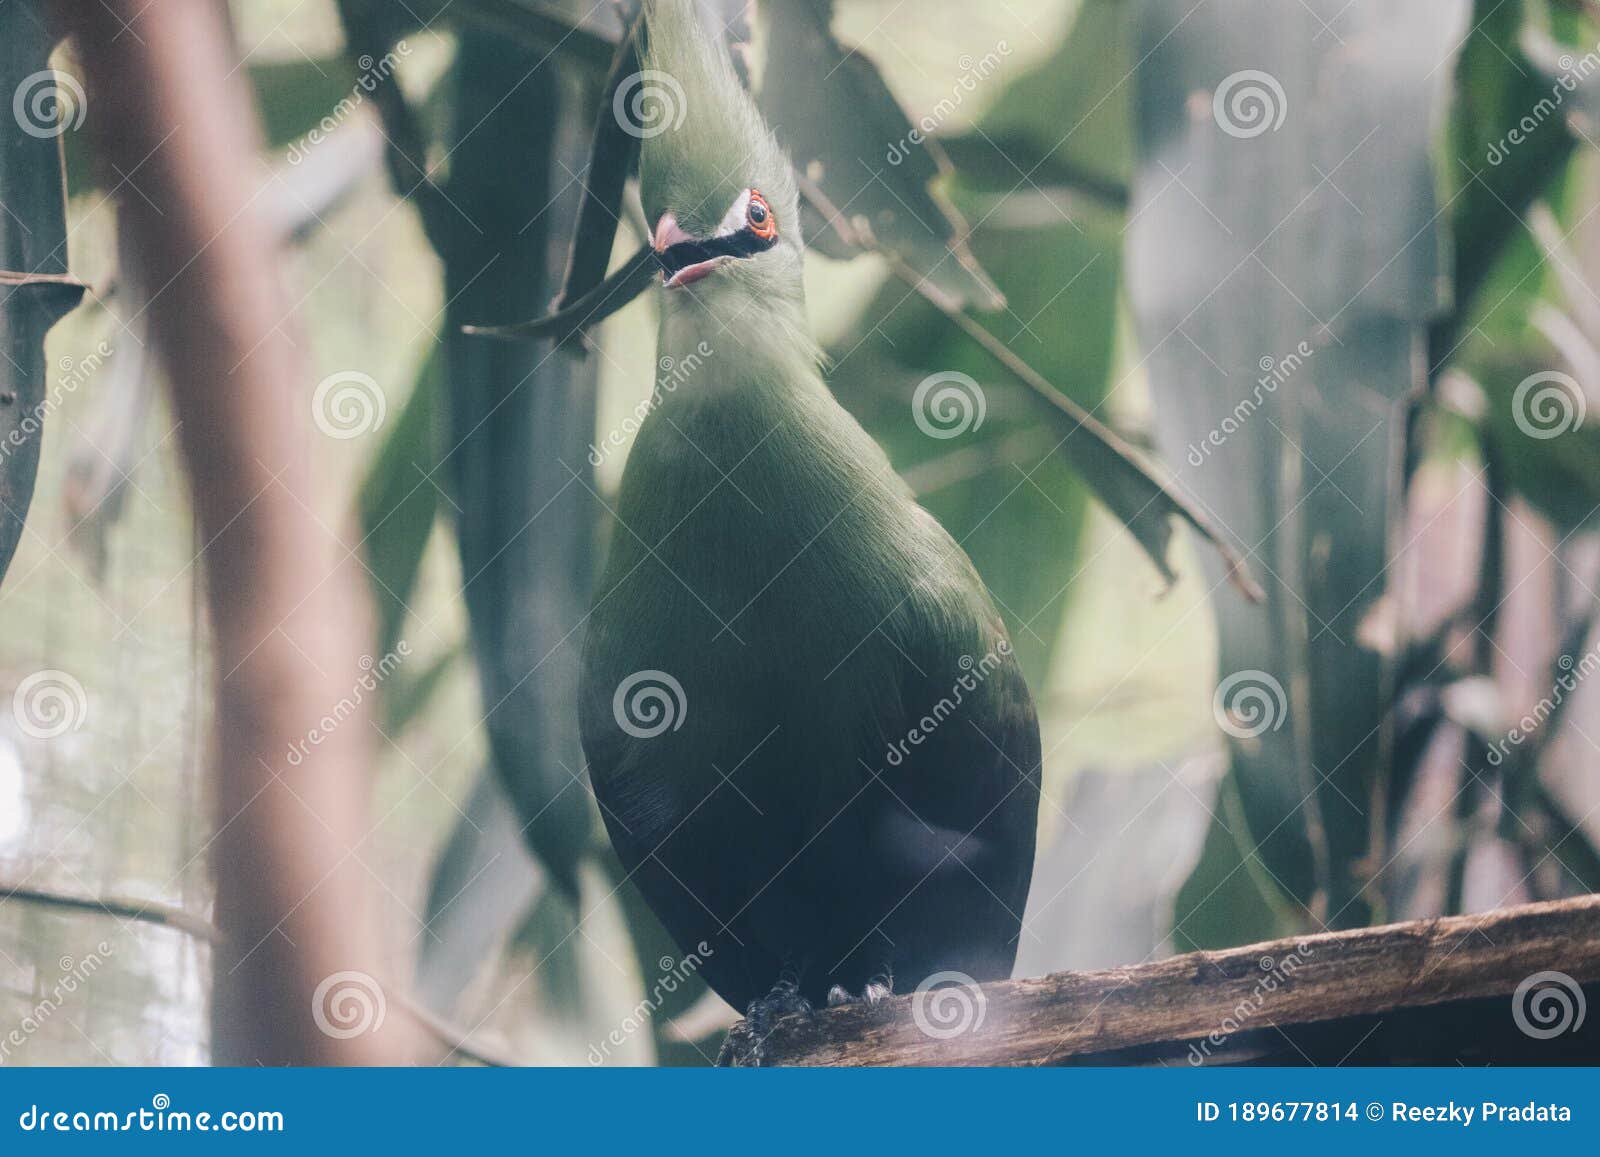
(144, 911)
(610, 296)
(455, 1040)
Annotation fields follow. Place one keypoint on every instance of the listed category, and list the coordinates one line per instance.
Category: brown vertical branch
(173, 123)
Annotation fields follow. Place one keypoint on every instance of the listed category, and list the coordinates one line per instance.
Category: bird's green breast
(766, 556)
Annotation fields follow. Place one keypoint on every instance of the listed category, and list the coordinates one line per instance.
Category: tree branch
(287, 610)
(611, 295)
(1241, 1004)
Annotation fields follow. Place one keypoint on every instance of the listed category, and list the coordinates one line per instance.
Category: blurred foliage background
(1427, 562)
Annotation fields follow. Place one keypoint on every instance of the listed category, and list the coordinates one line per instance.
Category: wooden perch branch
(1290, 1001)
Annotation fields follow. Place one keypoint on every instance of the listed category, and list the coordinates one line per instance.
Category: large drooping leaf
(1286, 259)
(843, 128)
(521, 416)
(35, 290)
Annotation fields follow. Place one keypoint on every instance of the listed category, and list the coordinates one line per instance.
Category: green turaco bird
(808, 736)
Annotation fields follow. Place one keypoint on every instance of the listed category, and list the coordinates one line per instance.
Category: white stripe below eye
(737, 218)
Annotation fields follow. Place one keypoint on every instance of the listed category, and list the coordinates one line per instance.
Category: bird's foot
(878, 989)
(760, 1015)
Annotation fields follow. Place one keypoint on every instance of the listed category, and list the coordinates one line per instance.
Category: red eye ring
(763, 222)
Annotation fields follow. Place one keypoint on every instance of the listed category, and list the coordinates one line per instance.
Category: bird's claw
(784, 1000)
(877, 990)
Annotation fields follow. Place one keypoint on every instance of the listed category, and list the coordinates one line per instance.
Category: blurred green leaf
(399, 500)
(1069, 120)
(35, 289)
(406, 695)
(1228, 899)
(294, 96)
(1285, 260)
(844, 129)
(481, 889)
(1506, 74)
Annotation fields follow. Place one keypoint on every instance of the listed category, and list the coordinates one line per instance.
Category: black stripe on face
(686, 253)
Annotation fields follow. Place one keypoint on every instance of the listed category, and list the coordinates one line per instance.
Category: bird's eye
(762, 222)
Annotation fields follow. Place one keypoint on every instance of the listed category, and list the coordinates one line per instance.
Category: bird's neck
(723, 342)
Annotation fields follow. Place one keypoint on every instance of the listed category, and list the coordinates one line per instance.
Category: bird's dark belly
(837, 900)
(765, 828)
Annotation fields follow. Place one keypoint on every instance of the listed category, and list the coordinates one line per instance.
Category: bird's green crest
(707, 142)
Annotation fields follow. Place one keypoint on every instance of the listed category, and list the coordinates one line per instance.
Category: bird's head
(717, 188)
